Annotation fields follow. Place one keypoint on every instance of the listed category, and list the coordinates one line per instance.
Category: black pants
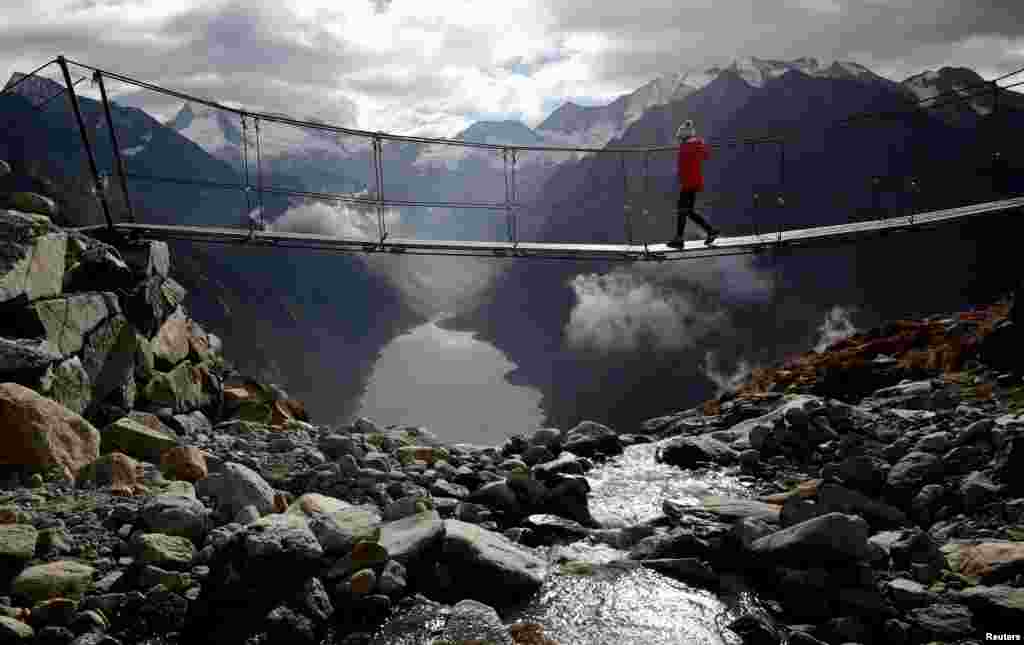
(685, 208)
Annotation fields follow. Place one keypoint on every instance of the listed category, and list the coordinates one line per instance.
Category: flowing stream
(617, 602)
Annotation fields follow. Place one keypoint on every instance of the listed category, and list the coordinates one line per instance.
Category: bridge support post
(97, 183)
(98, 78)
(378, 167)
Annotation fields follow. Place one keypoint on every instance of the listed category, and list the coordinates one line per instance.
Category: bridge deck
(693, 249)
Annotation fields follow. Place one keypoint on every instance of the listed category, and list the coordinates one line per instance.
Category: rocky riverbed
(870, 493)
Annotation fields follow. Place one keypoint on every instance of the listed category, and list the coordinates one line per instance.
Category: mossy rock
(255, 411)
(61, 579)
(577, 568)
(33, 203)
(136, 440)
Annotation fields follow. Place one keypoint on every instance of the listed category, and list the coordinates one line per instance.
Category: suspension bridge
(257, 233)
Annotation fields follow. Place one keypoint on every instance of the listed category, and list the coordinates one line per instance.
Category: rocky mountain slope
(152, 495)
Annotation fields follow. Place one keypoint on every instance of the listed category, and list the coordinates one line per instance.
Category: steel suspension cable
(247, 188)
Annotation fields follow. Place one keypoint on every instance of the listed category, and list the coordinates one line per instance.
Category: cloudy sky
(410, 66)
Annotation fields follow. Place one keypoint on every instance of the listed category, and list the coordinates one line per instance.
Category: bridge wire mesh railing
(372, 194)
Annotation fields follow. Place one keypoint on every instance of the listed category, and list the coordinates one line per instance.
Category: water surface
(451, 383)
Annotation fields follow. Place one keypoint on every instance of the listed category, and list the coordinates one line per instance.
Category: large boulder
(119, 471)
(914, 470)
(588, 438)
(108, 356)
(69, 384)
(410, 537)
(488, 567)
(337, 525)
(187, 463)
(39, 433)
(136, 437)
(152, 302)
(834, 537)
(988, 563)
(171, 343)
(177, 512)
(26, 360)
(148, 258)
(32, 256)
(472, 621)
(67, 321)
(864, 473)
(997, 606)
(61, 579)
(241, 486)
(687, 452)
(93, 265)
(165, 551)
(1009, 462)
(833, 498)
(17, 543)
(185, 388)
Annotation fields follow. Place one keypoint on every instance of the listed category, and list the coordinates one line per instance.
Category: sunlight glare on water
(617, 601)
(631, 487)
(627, 606)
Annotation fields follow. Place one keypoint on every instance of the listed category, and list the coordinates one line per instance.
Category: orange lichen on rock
(711, 408)
(280, 502)
(39, 433)
(529, 634)
(918, 346)
(980, 560)
(284, 410)
(804, 490)
(187, 463)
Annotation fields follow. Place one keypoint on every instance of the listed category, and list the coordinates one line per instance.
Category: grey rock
(241, 486)
(472, 620)
(178, 514)
(996, 604)
(489, 567)
(686, 452)
(831, 537)
(32, 257)
(281, 537)
(977, 489)
(914, 470)
(337, 524)
(70, 385)
(589, 437)
(148, 258)
(406, 539)
(26, 355)
(565, 464)
(943, 621)
(935, 442)
(833, 498)
(907, 593)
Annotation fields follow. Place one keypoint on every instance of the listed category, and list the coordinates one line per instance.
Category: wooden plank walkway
(733, 245)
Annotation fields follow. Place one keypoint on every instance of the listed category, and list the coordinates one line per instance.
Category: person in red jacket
(692, 152)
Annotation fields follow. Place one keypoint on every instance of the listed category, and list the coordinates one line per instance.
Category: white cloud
(662, 306)
(431, 68)
(430, 284)
(837, 326)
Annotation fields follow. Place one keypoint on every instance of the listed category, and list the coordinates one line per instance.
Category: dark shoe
(711, 237)
(677, 243)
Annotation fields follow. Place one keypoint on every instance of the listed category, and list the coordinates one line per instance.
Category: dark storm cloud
(651, 36)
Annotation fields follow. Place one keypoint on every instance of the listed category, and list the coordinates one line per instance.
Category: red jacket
(692, 152)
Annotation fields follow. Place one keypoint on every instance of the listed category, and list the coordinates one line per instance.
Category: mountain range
(535, 312)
